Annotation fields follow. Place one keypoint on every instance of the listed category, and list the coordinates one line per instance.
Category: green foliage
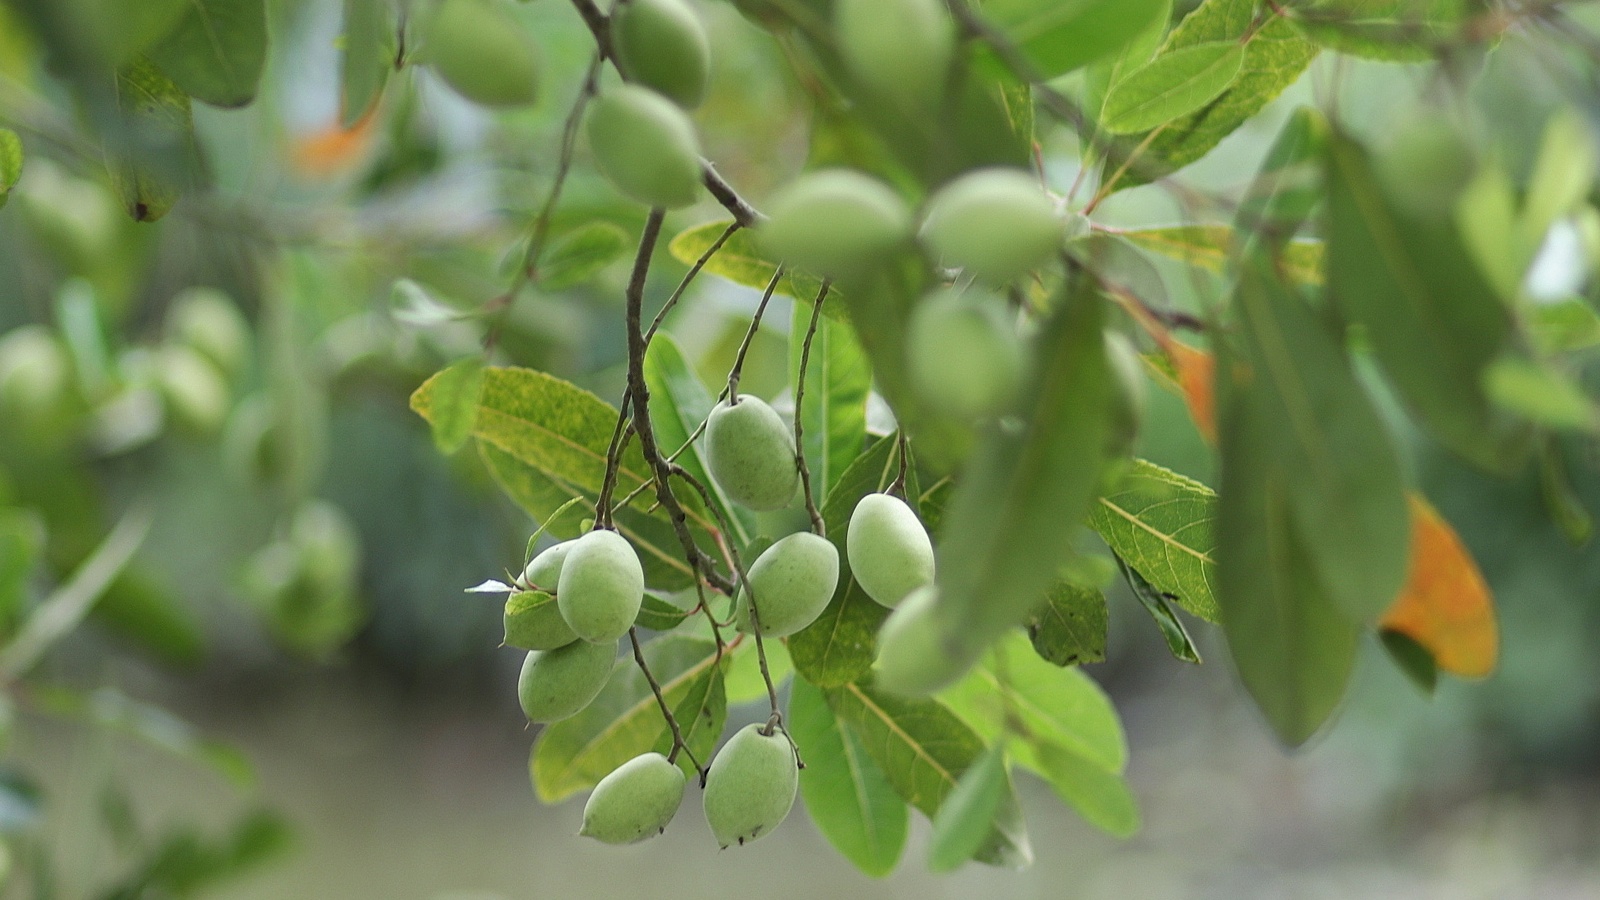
(1163, 526)
(217, 51)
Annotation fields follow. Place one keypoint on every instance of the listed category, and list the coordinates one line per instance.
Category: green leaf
(574, 754)
(1341, 469)
(1179, 644)
(543, 496)
(679, 405)
(1059, 705)
(1209, 247)
(522, 608)
(22, 541)
(967, 814)
(557, 428)
(370, 33)
(924, 749)
(1100, 796)
(1163, 525)
(456, 390)
(847, 796)
(1562, 175)
(841, 645)
(838, 379)
(217, 51)
(1071, 627)
(1012, 522)
(1135, 52)
(745, 684)
(1564, 327)
(1389, 30)
(1411, 658)
(1540, 394)
(741, 262)
(1560, 499)
(701, 715)
(1061, 35)
(10, 163)
(1275, 55)
(157, 114)
(657, 614)
(1172, 85)
(1434, 320)
(581, 254)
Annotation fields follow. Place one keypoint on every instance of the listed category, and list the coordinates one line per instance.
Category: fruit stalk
(817, 524)
(678, 743)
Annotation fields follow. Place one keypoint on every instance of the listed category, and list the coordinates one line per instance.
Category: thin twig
(619, 440)
(678, 743)
(817, 524)
(689, 277)
(903, 444)
(750, 335)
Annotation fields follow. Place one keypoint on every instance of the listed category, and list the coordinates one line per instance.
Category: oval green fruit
(634, 802)
(35, 374)
(963, 354)
(205, 319)
(645, 146)
(533, 622)
(196, 392)
(889, 550)
(479, 48)
(897, 49)
(995, 224)
(601, 586)
(834, 222)
(556, 684)
(750, 452)
(543, 572)
(793, 581)
(750, 786)
(914, 657)
(662, 45)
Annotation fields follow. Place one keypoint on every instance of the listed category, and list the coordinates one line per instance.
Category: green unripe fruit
(645, 146)
(544, 570)
(793, 581)
(35, 374)
(533, 622)
(897, 49)
(195, 391)
(834, 222)
(995, 224)
(750, 452)
(205, 319)
(556, 684)
(662, 45)
(914, 656)
(890, 553)
(634, 802)
(601, 586)
(750, 786)
(482, 51)
(963, 354)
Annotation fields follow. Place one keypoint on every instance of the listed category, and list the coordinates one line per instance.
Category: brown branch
(817, 524)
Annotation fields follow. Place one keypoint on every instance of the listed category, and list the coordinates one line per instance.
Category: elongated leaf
(557, 428)
(1012, 520)
(1347, 489)
(10, 163)
(1434, 320)
(581, 254)
(701, 715)
(1163, 525)
(1446, 606)
(657, 614)
(1071, 627)
(923, 749)
(22, 539)
(1100, 796)
(1389, 30)
(838, 379)
(368, 56)
(849, 799)
(967, 814)
(542, 497)
(1155, 602)
(455, 403)
(679, 405)
(741, 262)
(157, 144)
(1540, 394)
(574, 754)
(1275, 55)
(1061, 35)
(217, 51)
(1209, 246)
(840, 646)
(1172, 85)
(745, 684)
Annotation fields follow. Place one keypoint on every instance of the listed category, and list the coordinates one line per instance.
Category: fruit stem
(678, 743)
(817, 524)
(749, 336)
(903, 445)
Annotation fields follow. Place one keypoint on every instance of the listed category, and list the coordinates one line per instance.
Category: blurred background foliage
(286, 693)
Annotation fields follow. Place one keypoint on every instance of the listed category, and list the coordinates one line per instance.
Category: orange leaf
(1195, 372)
(334, 148)
(1445, 605)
